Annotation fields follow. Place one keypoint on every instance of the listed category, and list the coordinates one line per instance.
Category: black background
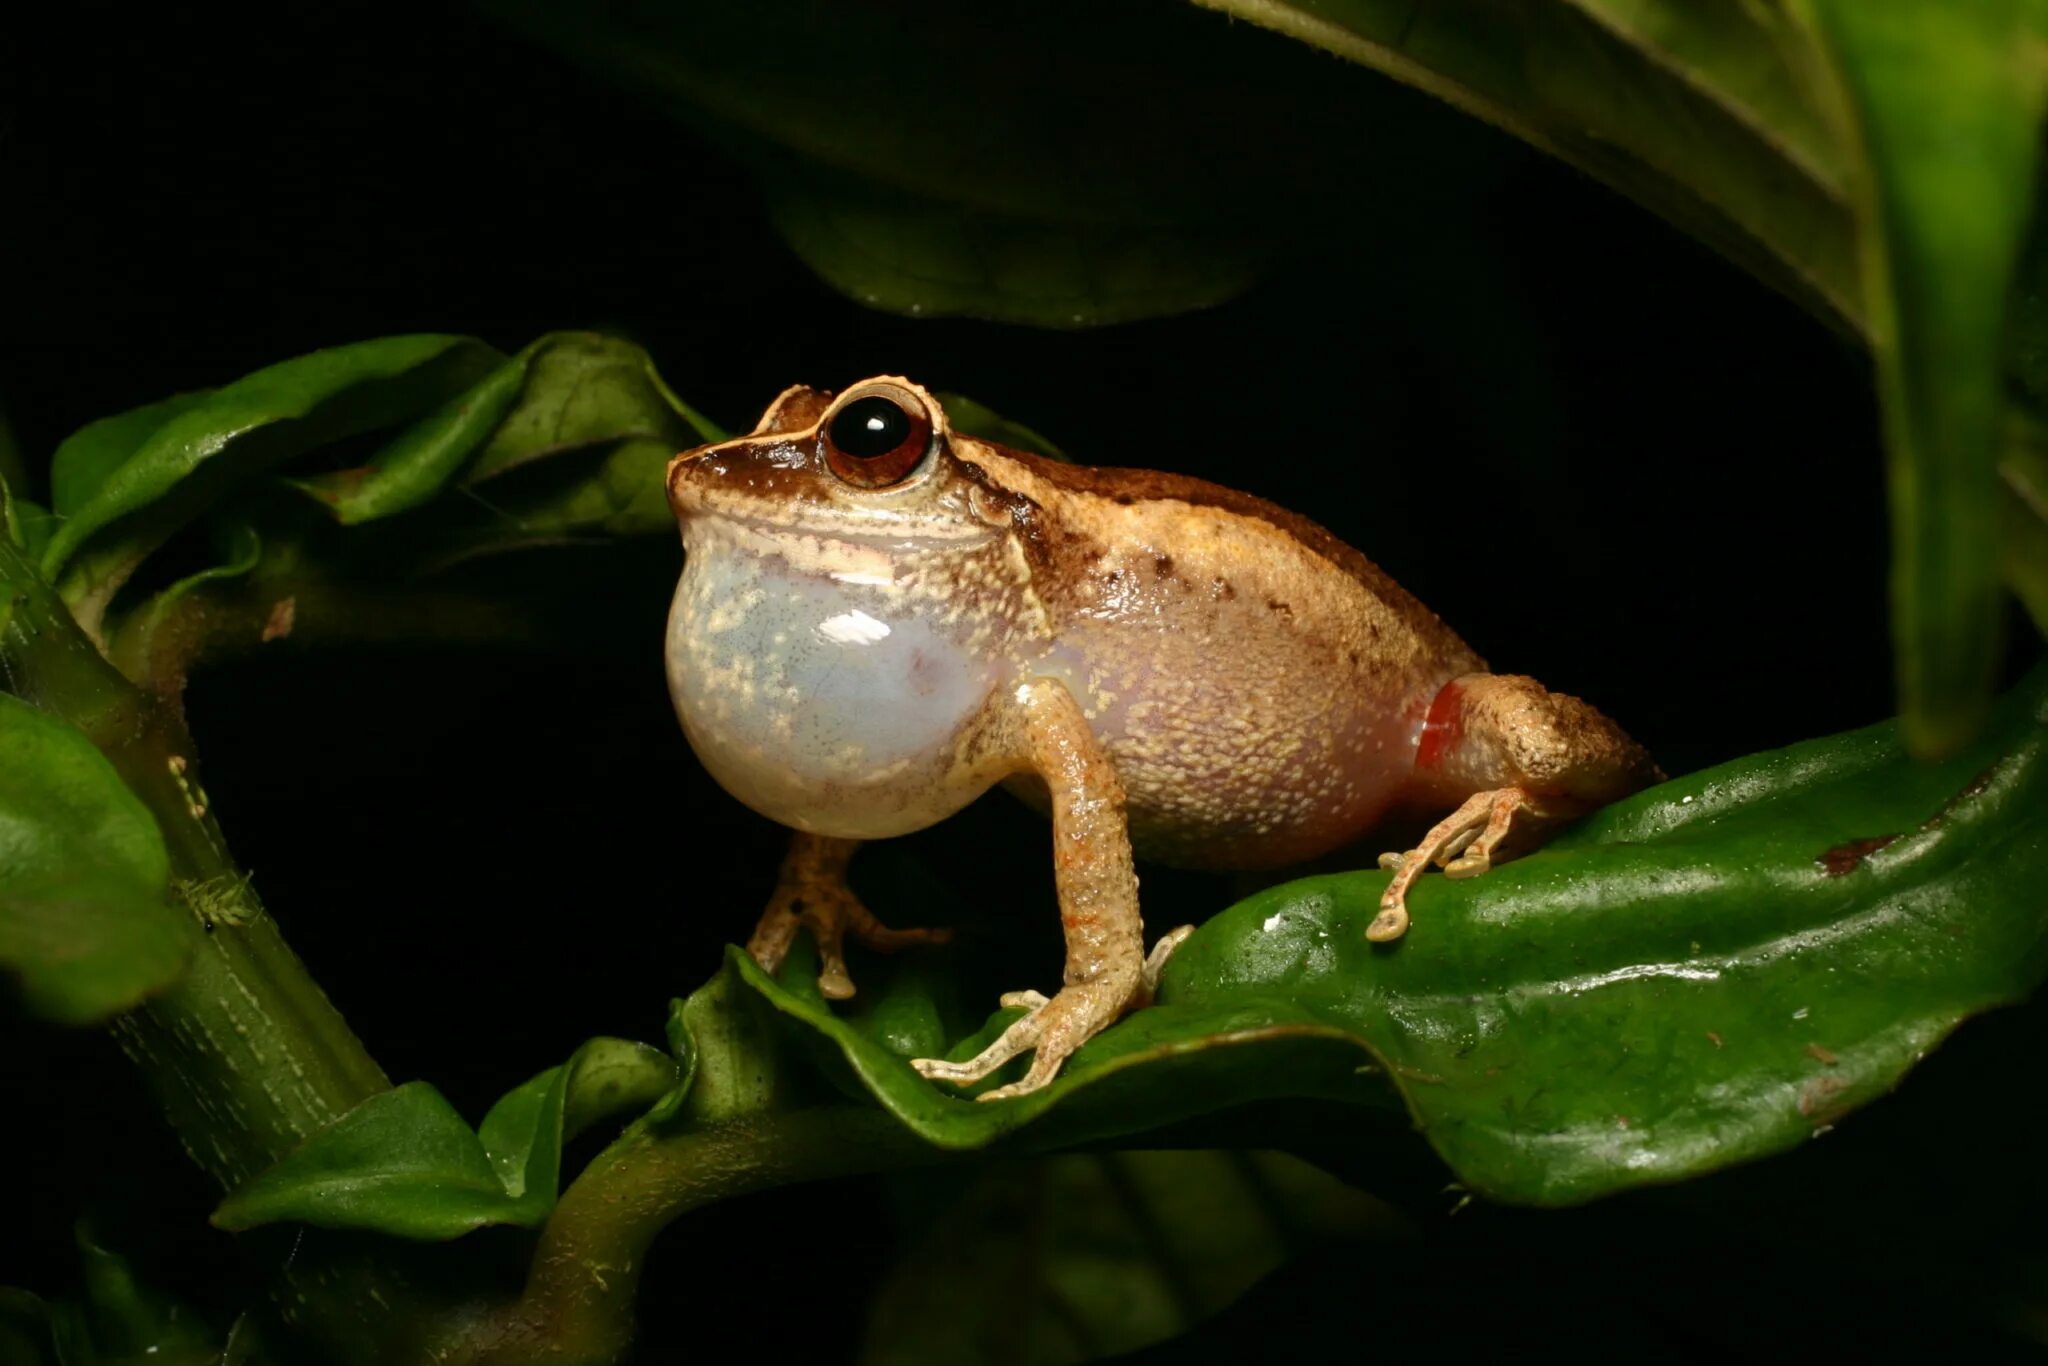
(1602, 454)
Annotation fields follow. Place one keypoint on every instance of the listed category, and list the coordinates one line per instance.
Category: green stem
(245, 1053)
(577, 1309)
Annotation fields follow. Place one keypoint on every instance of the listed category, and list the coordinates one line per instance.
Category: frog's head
(875, 461)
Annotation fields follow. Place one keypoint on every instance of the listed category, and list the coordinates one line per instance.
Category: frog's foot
(1054, 1027)
(1057, 1025)
(832, 913)
(1463, 844)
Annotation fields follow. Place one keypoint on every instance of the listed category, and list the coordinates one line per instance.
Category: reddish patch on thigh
(1443, 729)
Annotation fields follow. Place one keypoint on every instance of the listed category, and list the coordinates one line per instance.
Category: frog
(880, 618)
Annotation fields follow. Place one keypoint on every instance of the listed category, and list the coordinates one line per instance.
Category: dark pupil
(868, 427)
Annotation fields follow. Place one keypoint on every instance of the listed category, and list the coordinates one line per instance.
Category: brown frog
(880, 618)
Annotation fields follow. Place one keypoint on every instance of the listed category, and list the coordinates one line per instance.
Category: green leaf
(1711, 971)
(197, 452)
(907, 253)
(87, 458)
(86, 923)
(584, 451)
(121, 1321)
(565, 441)
(1946, 103)
(1155, 160)
(568, 391)
(1074, 1258)
(1705, 114)
(404, 1163)
(2023, 513)
(28, 525)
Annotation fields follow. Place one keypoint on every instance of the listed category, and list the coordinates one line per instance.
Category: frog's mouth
(764, 529)
(780, 503)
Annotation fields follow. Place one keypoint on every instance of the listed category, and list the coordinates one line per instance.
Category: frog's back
(1260, 684)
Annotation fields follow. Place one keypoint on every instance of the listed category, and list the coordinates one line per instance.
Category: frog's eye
(876, 441)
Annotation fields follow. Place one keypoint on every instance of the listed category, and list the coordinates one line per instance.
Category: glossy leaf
(404, 1163)
(1074, 1258)
(568, 391)
(1714, 970)
(87, 458)
(87, 928)
(1946, 102)
(479, 453)
(196, 453)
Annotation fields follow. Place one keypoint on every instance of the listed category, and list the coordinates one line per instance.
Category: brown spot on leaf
(1716, 1038)
(1817, 1097)
(1848, 857)
(1824, 1056)
(1971, 789)
(283, 614)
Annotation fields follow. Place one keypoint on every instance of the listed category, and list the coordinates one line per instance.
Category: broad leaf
(568, 391)
(1714, 970)
(89, 456)
(1152, 161)
(87, 928)
(404, 1163)
(1704, 114)
(197, 452)
(1945, 101)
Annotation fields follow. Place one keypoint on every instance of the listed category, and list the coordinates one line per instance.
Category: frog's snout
(677, 479)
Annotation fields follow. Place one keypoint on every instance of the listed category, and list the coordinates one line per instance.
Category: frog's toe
(1469, 865)
(769, 944)
(1020, 1037)
(1390, 924)
(1155, 963)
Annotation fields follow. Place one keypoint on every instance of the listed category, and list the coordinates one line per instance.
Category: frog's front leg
(1516, 759)
(811, 893)
(1107, 972)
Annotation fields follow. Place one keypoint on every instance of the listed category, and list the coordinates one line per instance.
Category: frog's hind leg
(1107, 970)
(811, 893)
(1516, 758)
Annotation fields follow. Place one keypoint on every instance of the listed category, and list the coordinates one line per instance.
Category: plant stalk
(577, 1308)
